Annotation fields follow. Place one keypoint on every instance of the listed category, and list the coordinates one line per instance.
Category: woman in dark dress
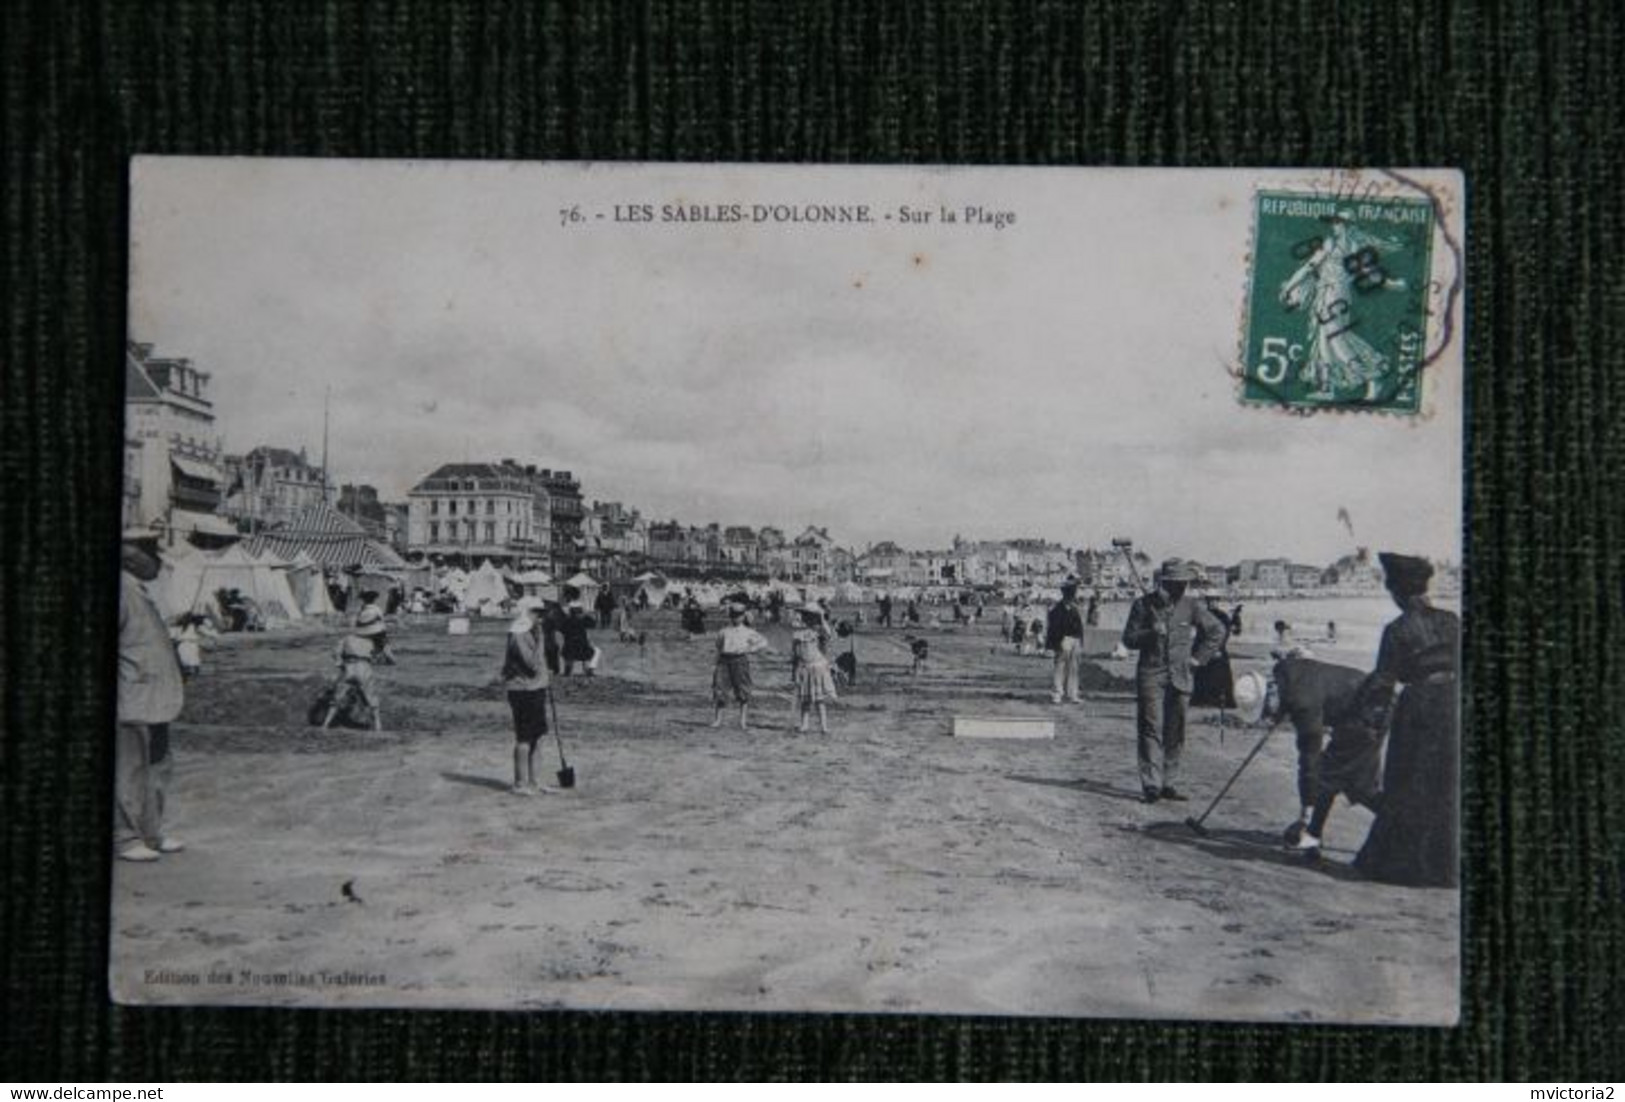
(1414, 838)
(1213, 684)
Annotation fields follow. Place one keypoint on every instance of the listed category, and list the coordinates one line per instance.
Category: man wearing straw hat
(150, 695)
(1172, 631)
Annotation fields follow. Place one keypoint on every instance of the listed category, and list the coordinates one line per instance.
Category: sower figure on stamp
(149, 698)
(1172, 631)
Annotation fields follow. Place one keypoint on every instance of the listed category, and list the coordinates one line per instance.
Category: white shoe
(521, 790)
(1307, 843)
(1055, 698)
(140, 851)
(171, 845)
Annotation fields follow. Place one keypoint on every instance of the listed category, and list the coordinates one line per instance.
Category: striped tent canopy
(331, 539)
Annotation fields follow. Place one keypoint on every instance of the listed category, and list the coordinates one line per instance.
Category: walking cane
(566, 774)
(1195, 822)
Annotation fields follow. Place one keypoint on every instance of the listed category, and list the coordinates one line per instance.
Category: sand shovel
(1195, 822)
(567, 773)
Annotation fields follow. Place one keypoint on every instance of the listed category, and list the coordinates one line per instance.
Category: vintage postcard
(1026, 591)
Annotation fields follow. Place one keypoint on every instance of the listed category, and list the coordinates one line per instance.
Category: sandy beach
(884, 867)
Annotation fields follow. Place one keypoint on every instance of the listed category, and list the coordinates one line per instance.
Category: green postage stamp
(1338, 308)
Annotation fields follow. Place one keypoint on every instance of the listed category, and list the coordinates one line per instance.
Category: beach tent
(309, 586)
(179, 572)
(586, 585)
(652, 588)
(537, 584)
(417, 576)
(331, 539)
(484, 587)
(849, 592)
(455, 582)
(196, 579)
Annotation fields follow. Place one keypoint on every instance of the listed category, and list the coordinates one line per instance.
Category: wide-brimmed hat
(1177, 570)
(812, 608)
(1405, 573)
(370, 622)
(1252, 690)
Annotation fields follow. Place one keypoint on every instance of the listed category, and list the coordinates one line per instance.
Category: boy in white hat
(524, 676)
(366, 645)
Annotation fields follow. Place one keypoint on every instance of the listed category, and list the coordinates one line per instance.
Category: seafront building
(268, 486)
(174, 449)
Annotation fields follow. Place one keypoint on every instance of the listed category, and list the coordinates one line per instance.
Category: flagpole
(327, 399)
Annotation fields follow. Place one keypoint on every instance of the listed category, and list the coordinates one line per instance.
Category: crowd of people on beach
(1344, 718)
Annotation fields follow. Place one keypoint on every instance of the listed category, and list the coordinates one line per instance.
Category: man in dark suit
(1064, 636)
(1172, 631)
(1317, 697)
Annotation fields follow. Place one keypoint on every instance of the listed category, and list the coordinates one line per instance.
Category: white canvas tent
(195, 579)
(537, 584)
(309, 586)
(652, 588)
(850, 592)
(177, 583)
(586, 585)
(485, 586)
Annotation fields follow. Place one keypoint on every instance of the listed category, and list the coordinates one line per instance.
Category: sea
(1359, 620)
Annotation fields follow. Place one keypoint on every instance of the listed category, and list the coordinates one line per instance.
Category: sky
(1066, 376)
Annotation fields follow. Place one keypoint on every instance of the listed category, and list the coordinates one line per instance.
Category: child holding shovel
(524, 675)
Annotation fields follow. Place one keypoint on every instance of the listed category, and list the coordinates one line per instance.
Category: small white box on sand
(1002, 727)
(457, 625)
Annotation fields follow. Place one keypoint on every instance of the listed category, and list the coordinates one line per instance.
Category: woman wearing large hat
(1414, 838)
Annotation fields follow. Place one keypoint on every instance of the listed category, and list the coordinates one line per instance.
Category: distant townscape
(522, 516)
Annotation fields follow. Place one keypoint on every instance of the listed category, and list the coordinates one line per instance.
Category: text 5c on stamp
(1337, 307)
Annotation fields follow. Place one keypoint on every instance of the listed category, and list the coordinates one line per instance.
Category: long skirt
(1214, 685)
(814, 683)
(732, 680)
(1414, 838)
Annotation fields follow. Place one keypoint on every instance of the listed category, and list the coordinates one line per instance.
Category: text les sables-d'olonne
(767, 214)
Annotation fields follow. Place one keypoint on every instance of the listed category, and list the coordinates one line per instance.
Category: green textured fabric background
(1525, 97)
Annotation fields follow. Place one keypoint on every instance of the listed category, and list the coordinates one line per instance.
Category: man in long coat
(149, 699)
(1173, 632)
